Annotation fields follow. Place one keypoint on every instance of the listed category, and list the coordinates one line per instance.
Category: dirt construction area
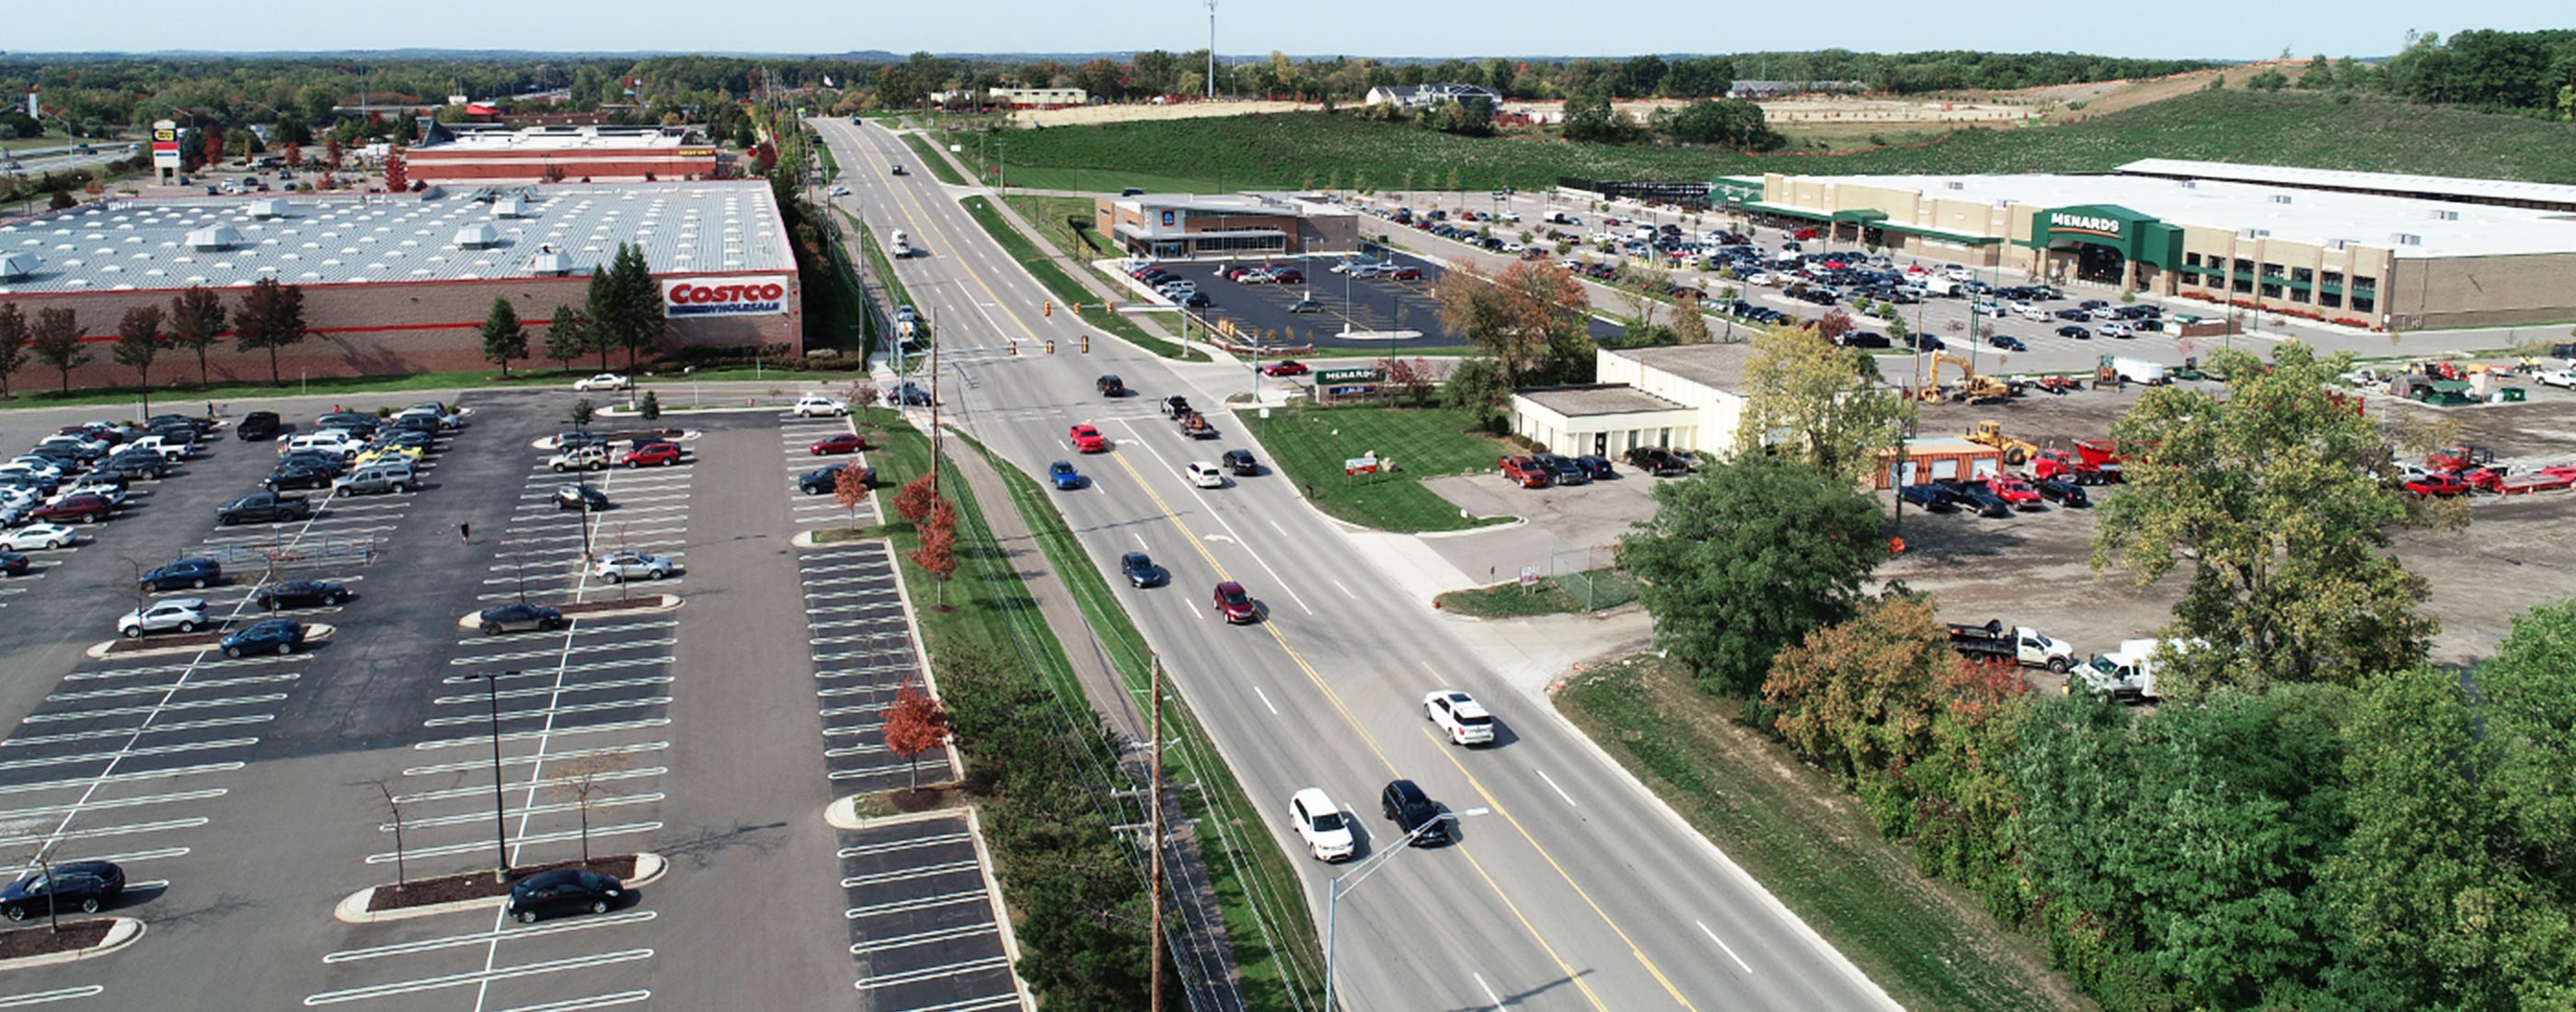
(2033, 568)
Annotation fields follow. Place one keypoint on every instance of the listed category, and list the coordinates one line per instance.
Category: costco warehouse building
(401, 283)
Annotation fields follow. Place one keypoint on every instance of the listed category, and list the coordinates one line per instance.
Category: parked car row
(1540, 470)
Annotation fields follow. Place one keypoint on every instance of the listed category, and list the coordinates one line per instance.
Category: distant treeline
(2525, 72)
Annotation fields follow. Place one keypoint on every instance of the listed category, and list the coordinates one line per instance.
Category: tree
(2320, 75)
(937, 554)
(1732, 122)
(1530, 319)
(331, 153)
(197, 320)
(599, 317)
(583, 777)
(61, 200)
(503, 337)
(565, 336)
(1413, 378)
(916, 724)
(14, 334)
(1746, 557)
(2281, 500)
(1806, 398)
(56, 338)
(582, 412)
(633, 317)
(2268, 80)
(1476, 385)
(139, 340)
(1689, 326)
(850, 488)
(650, 407)
(271, 317)
(397, 178)
(915, 501)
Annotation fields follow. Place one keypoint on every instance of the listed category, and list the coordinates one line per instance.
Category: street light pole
(1335, 890)
(500, 820)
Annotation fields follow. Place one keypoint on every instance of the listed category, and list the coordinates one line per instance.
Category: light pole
(1335, 890)
(500, 821)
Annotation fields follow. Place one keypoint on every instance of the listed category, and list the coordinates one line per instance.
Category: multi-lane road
(1577, 891)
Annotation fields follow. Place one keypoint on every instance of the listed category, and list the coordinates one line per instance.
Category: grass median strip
(1063, 286)
(931, 160)
(1572, 593)
(1811, 846)
(1255, 883)
(1311, 446)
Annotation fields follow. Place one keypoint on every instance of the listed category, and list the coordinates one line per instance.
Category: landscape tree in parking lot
(57, 340)
(1746, 557)
(139, 340)
(14, 334)
(916, 724)
(271, 317)
(503, 337)
(197, 319)
(850, 488)
(2281, 500)
(1807, 398)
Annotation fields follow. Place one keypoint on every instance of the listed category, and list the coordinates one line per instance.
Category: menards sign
(2063, 222)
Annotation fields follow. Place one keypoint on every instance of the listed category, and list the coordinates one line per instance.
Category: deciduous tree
(1807, 398)
(271, 317)
(1531, 318)
(937, 554)
(56, 337)
(1689, 326)
(14, 335)
(1746, 557)
(1476, 385)
(197, 319)
(916, 500)
(916, 724)
(850, 488)
(2279, 500)
(503, 336)
(139, 340)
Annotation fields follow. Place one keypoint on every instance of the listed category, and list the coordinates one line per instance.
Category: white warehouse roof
(2430, 186)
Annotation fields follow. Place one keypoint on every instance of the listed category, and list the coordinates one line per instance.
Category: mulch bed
(40, 940)
(647, 600)
(620, 437)
(121, 645)
(479, 885)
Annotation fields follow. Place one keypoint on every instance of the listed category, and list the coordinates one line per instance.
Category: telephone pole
(1154, 830)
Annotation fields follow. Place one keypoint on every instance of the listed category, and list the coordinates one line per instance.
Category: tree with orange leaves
(916, 723)
(1531, 318)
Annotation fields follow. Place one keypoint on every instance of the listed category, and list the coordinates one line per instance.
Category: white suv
(1460, 717)
(1206, 475)
(184, 614)
(1321, 824)
(817, 405)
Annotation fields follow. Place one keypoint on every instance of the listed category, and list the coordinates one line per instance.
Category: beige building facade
(1680, 397)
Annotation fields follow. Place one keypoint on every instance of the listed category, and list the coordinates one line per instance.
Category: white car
(337, 441)
(2115, 328)
(184, 614)
(603, 381)
(2030, 312)
(1323, 826)
(819, 406)
(1206, 475)
(114, 494)
(2562, 378)
(1460, 717)
(32, 466)
(34, 536)
(619, 567)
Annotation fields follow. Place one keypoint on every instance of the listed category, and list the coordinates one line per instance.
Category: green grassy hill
(1312, 149)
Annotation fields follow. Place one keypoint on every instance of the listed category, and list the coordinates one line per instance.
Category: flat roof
(1716, 366)
(2443, 228)
(2283, 175)
(467, 139)
(325, 239)
(1232, 203)
(1597, 399)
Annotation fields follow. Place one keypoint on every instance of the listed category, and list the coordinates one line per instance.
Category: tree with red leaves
(331, 153)
(396, 179)
(850, 488)
(938, 552)
(1834, 324)
(214, 149)
(917, 723)
(916, 500)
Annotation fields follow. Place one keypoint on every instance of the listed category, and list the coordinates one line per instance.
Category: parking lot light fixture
(1335, 890)
(500, 820)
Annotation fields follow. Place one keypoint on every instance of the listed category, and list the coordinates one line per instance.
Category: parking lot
(1382, 314)
(244, 797)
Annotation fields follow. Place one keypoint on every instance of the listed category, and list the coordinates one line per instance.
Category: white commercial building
(1681, 397)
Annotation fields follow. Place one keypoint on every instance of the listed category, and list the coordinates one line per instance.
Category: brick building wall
(467, 166)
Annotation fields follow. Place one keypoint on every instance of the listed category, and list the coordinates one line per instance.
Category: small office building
(1180, 226)
(2365, 250)
(1681, 397)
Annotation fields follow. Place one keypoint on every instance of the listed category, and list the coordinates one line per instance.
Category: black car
(73, 885)
(1110, 386)
(1597, 467)
(580, 497)
(258, 426)
(563, 890)
(570, 440)
(1975, 497)
(408, 438)
(2063, 493)
(2077, 333)
(327, 460)
(909, 394)
(1197, 300)
(2074, 314)
(1931, 498)
(1414, 812)
(300, 593)
(519, 618)
(1866, 339)
(192, 573)
(824, 480)
(356, 424)
(135, 464)
(273, 635)
(1657, 461)
(200, 425)
(2006, 342)
(300, 475)
(12, 563)
(1241, 463)
(1564, 469)
(1141, 570)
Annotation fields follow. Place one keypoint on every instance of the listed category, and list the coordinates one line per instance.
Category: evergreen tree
(503, 337)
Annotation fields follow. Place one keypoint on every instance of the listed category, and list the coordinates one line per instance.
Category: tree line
(268, 318)
(2533, 73)
(2315, 817)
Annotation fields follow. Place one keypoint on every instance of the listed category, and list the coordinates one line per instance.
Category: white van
(337, 441)
(898, 245)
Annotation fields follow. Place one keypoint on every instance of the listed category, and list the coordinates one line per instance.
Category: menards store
(2369, 250)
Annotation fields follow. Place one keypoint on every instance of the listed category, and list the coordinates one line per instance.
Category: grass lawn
(1790, 828)
(1255, 883)
(1310, 444)
(931, 160)
(1050, 215)
(1063, 286)
(1591, 590)
(1343, 152)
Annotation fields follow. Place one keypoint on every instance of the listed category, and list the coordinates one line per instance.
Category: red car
(1406, 274)
(1087, 439)
(1526, 472)
(1466, 216)
(1284, 367)
(1287, 276)
(2437, 483)
(1235, 604)
(1805, 233)
(655, 454)
(847, 442)
(2017, 492)
(85, 507)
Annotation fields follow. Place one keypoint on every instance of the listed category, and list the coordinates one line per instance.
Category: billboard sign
(165, 145)
(757, 295)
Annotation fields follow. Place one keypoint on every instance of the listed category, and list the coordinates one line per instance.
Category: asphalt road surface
(1578, 891)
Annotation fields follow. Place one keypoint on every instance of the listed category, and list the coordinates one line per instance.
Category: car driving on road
(1321, 825)
(1235, 604)
(1140, 570)
(1413, 812)
(1459, 716)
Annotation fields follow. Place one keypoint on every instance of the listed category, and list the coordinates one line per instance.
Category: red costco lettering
(684, 295)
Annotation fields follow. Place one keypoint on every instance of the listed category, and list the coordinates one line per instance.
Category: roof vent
(2338, 244)
(2189, 184)
(510, 207)
(2446, 215)
(2252, 233)
(268, 208)
(549, 263)
(2280, 198)
(17, 265)
(213, 237)
(1956, 185)
(2406, 239)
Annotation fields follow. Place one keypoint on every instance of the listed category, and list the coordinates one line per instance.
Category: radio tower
(1211, 5)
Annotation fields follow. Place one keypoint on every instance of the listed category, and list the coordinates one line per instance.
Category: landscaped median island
(74, 937)
(1314, 446)
(1568, 594)
(484, 885)
(1068, 291)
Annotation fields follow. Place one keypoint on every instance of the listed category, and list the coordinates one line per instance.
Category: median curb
(121, 932)
(314, 632)
(352, 909)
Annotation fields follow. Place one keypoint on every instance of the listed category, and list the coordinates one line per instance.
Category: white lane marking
(1721, 943)
(1489, 991)
(476, 977)
(43, 997)
(583, 1004)
(1237, 536)
(1346, 591)
(1265, 700)
(1560, 792)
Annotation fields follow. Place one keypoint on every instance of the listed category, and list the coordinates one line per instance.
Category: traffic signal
(1050, 346)
(1048, 309)
(1015, 349)
(1086, 344)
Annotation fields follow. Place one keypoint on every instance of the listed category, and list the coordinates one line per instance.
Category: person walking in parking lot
(465, 532)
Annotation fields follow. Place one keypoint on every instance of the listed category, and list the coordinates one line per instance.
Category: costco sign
(730, 296)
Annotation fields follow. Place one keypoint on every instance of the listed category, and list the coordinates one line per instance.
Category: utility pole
(1154, 831)
(1211, 81)
(928, 315)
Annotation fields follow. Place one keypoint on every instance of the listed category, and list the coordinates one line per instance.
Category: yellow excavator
(1974, 387)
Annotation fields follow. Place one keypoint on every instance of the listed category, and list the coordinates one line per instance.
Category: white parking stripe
(452, 941)
(915, 903)
(908, 874)
(923, 938)
(48, 997)
(194, 746)
(162, 826)
(480, 977)
(549, 711)
(121, 778)
(935, 972)
(478, 846)
(904, 843)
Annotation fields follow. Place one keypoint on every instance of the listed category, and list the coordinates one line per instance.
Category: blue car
(276, 635)
(192, 573)
(1064, 476)
(1932, 498)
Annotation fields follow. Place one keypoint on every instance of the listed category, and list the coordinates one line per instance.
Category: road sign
(1529, 576)
(1366, 374)
(1359, 465)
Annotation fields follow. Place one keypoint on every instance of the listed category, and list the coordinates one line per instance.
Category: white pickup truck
(2127, 675)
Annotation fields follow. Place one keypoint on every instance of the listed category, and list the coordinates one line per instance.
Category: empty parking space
(811, 489)
(922, 923)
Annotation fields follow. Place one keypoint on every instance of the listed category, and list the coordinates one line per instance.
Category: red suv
(85, 507)
(1235, 604)
(1406, 274)
(656, 454)
(1527, 471)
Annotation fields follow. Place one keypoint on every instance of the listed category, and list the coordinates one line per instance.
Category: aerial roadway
(1575, 890)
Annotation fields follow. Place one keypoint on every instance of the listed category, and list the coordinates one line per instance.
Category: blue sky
(2176, 28)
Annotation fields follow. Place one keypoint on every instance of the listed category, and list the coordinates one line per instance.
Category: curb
(843, 813)
(473, 620)
(124, 931)
(314, 632)
(352, 909)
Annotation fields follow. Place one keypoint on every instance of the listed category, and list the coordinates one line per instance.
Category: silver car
(185, 614)
(619, 567)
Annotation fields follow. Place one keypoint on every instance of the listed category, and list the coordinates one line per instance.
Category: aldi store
(2356, 255)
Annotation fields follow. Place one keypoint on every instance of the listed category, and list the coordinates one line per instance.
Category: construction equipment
(1974, 387)
(1991, 433)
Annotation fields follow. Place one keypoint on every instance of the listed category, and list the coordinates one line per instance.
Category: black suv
(1657, 461)
(197, 573)
(1414, 813)
(300, 593)
(257, 426)
(1111, 386)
